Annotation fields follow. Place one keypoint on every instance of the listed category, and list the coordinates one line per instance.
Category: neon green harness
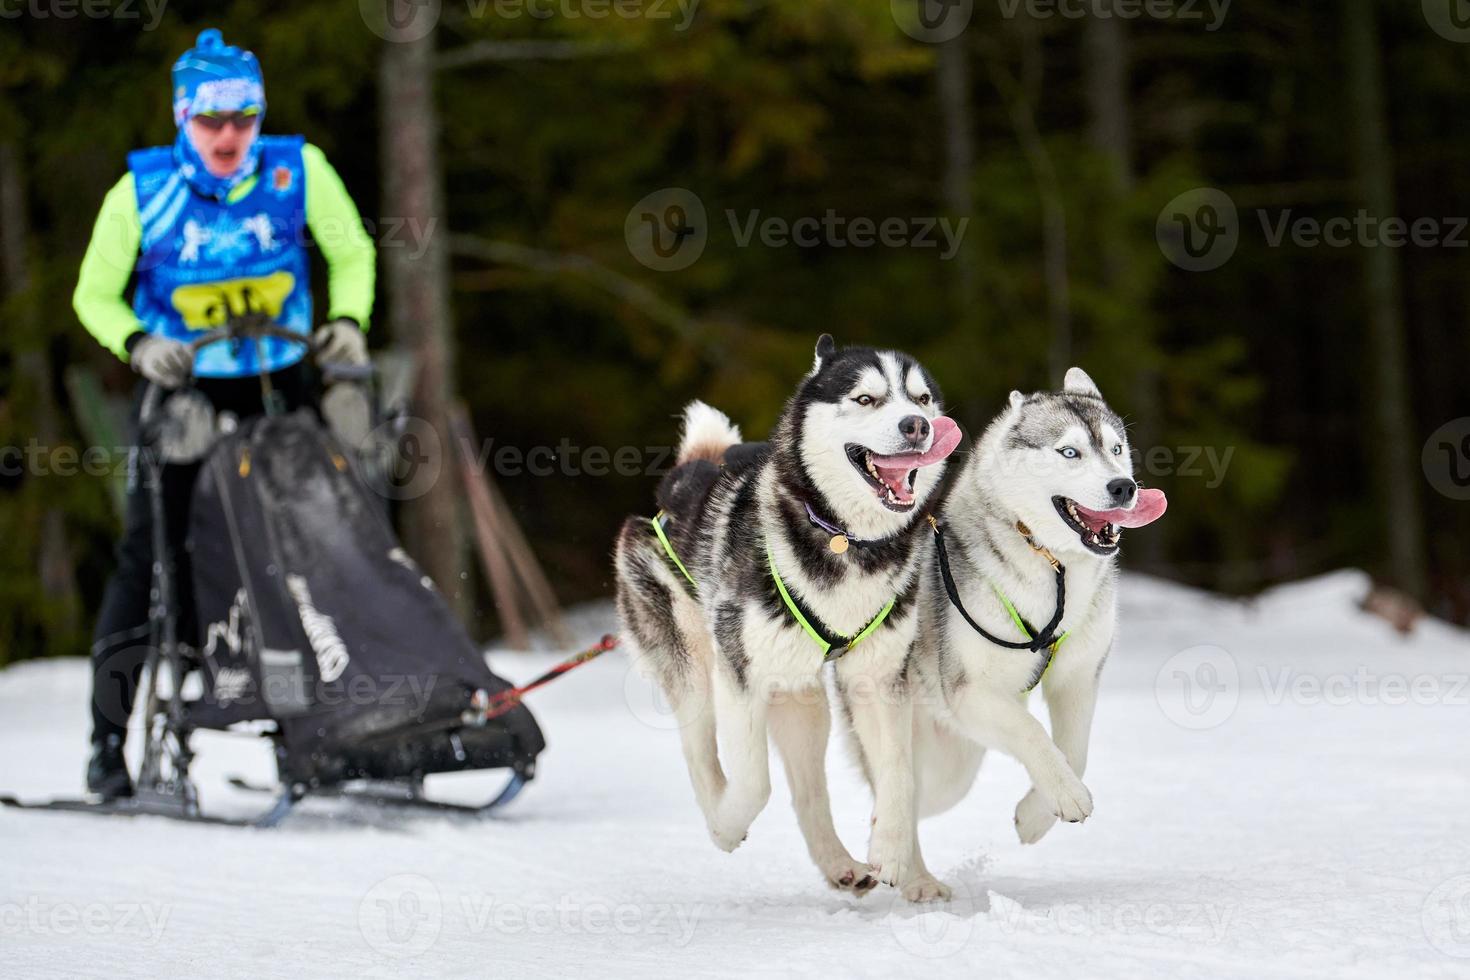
(663, 539)
(1051, 653)
(828, 640)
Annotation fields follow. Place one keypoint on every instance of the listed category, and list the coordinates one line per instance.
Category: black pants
(123, 635)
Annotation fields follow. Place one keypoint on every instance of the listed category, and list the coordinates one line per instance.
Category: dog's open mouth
(1101, 530)
(892, 477)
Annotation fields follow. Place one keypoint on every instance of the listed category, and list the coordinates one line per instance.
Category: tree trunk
(419, 314)
(1397, 472)
(56, 568)
(1020, 96)
(1105, 68)
(952, 75)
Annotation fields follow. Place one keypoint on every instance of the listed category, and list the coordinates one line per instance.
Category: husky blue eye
(1118, 450)
(1069, 452)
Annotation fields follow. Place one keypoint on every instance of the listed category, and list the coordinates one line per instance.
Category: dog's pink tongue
(894, 470)
(1149, 508)
(946, 438)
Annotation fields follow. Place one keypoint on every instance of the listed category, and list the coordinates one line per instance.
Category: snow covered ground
(1282, 789)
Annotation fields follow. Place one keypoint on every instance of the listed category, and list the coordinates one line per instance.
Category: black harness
(1039, 639)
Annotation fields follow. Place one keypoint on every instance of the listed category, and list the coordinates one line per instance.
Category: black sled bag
(313, 616)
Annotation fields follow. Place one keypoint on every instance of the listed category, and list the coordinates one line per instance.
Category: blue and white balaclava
(215, 77)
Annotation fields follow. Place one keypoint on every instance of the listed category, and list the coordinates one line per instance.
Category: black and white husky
(1019, 588)
(768, 561)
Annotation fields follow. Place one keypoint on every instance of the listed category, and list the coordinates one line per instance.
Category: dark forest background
(1317, 373)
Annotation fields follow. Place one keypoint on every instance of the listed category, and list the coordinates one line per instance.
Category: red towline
(506, 700)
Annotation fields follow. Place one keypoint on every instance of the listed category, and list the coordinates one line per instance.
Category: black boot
(107, 773)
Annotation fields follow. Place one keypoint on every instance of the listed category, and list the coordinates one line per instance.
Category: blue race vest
(203, 260)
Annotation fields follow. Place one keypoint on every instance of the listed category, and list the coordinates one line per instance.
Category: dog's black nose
(915, 428)
(1122, 490)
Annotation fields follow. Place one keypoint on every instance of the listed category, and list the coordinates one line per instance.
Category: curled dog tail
(708, 432)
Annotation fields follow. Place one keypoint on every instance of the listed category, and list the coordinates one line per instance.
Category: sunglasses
(215, 121)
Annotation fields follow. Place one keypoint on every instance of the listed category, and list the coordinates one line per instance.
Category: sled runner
(312, 623)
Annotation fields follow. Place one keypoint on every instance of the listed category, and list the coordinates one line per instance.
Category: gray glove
(166, 362)
(340, 342)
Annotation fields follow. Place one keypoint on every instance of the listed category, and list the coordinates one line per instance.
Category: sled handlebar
(255, 326)
(249, 328)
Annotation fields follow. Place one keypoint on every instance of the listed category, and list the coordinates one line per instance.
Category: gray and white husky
(1033, 523)
(768, 561)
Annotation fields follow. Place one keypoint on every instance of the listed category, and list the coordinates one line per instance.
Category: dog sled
(315, 629)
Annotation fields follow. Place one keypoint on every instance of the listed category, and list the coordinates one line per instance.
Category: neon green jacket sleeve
(99, 299)
(337, 229)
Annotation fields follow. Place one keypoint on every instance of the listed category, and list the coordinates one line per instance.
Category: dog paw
(1073, 801)
(889, 855)
(1034, 817)
(926, 888)
(726, 840)
(851, 876)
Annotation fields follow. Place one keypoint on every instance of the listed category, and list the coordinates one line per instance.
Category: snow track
(1282, 789)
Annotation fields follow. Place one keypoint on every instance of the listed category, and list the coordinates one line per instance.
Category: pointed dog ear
(826, 347)
(1078, 383)
(1016, 399)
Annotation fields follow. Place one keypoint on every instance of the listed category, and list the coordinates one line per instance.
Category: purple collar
(840, 538)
